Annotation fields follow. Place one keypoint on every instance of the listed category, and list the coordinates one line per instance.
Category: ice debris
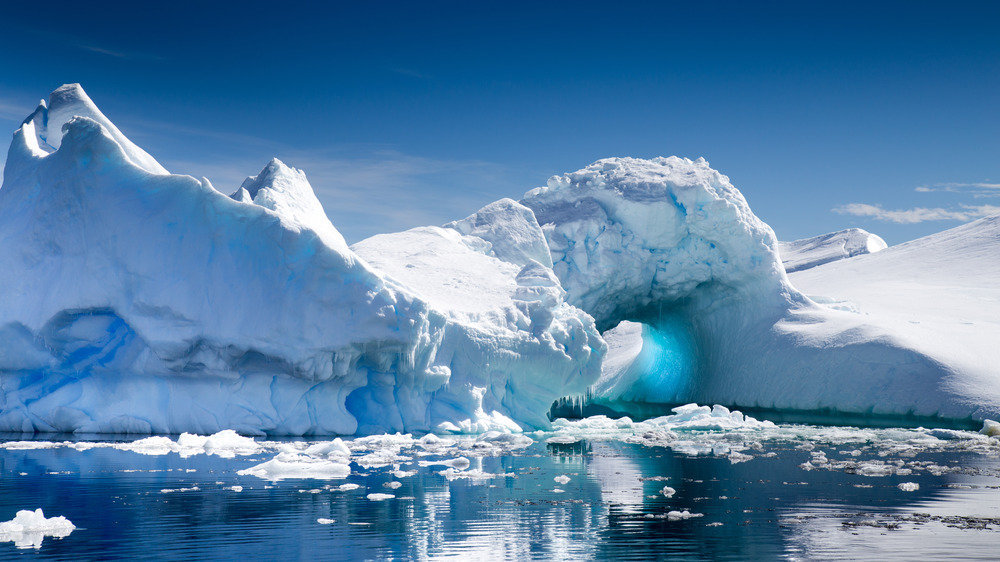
(28, 528)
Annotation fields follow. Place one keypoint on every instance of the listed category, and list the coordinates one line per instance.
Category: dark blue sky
(410, 113)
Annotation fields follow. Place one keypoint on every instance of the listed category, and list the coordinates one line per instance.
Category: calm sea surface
(790, 493)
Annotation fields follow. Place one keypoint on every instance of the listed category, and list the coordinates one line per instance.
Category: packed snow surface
(818, 250)
(936, 297)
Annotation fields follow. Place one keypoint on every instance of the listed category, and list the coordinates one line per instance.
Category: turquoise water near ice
(755, 500)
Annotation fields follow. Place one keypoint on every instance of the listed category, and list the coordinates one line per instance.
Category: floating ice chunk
(325, 521)
(679, 515)
(668, 492)
(348, 487)
(393, 485)
(293, 465)
(29, 445)
(459, 463)
(909, 486)
(990, 428)
(562, 479)
(28, 528)
(377, 497)
(329, 448)
(474, 474)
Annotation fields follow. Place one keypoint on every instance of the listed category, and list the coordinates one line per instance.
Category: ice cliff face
(139, 301)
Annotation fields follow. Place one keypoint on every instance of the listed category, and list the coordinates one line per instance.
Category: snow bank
(28, 528)
(818, 250)
(136, 301)
(933, 302)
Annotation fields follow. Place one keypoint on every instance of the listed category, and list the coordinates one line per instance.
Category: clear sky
(826, 115)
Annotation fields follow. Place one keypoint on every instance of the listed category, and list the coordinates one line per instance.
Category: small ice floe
(990, 428)
(678, 515)
(392, 485)
(674, 515)
(668, 492)
(474, 474)
(909, 486)
(174, 490)
(347, 487)
(28, 528)
(460, 463)
(236, 489)
(558, 490)
(226, 444)
(325, 521)
(562, 479)
(376, 497)
(294, 465)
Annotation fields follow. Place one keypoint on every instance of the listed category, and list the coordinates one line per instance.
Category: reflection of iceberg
(140, 301)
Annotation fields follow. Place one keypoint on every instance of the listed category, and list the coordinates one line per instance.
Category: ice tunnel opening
(652, 366)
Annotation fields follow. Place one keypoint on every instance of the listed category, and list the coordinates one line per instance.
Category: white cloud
(975, 188)
(918, 214)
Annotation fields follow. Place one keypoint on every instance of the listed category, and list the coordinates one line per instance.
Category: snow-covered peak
(629, 236)
(818, 250)
(69, 101)
(511, 229)
(287, 192)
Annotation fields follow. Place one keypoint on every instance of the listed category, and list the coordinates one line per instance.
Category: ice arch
(671, 243)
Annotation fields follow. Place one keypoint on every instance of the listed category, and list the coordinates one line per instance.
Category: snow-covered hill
(937, 296)
(818, 250)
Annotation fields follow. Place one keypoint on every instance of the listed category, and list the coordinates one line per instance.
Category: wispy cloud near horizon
(978, 189)
(917, 215)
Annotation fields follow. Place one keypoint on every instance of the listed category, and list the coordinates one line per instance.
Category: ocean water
(590, 490)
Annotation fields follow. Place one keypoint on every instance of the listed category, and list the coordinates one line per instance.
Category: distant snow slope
(938, 296)
(818, 250)
(139, 301)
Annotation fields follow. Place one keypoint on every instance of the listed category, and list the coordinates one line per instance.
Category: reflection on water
(788, 492)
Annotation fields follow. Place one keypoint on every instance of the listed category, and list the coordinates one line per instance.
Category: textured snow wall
(671, 243)
(818, 250)
(139, 301)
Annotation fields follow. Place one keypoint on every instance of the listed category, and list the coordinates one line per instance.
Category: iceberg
(689, 289)
(29, 528)
(138, 301)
